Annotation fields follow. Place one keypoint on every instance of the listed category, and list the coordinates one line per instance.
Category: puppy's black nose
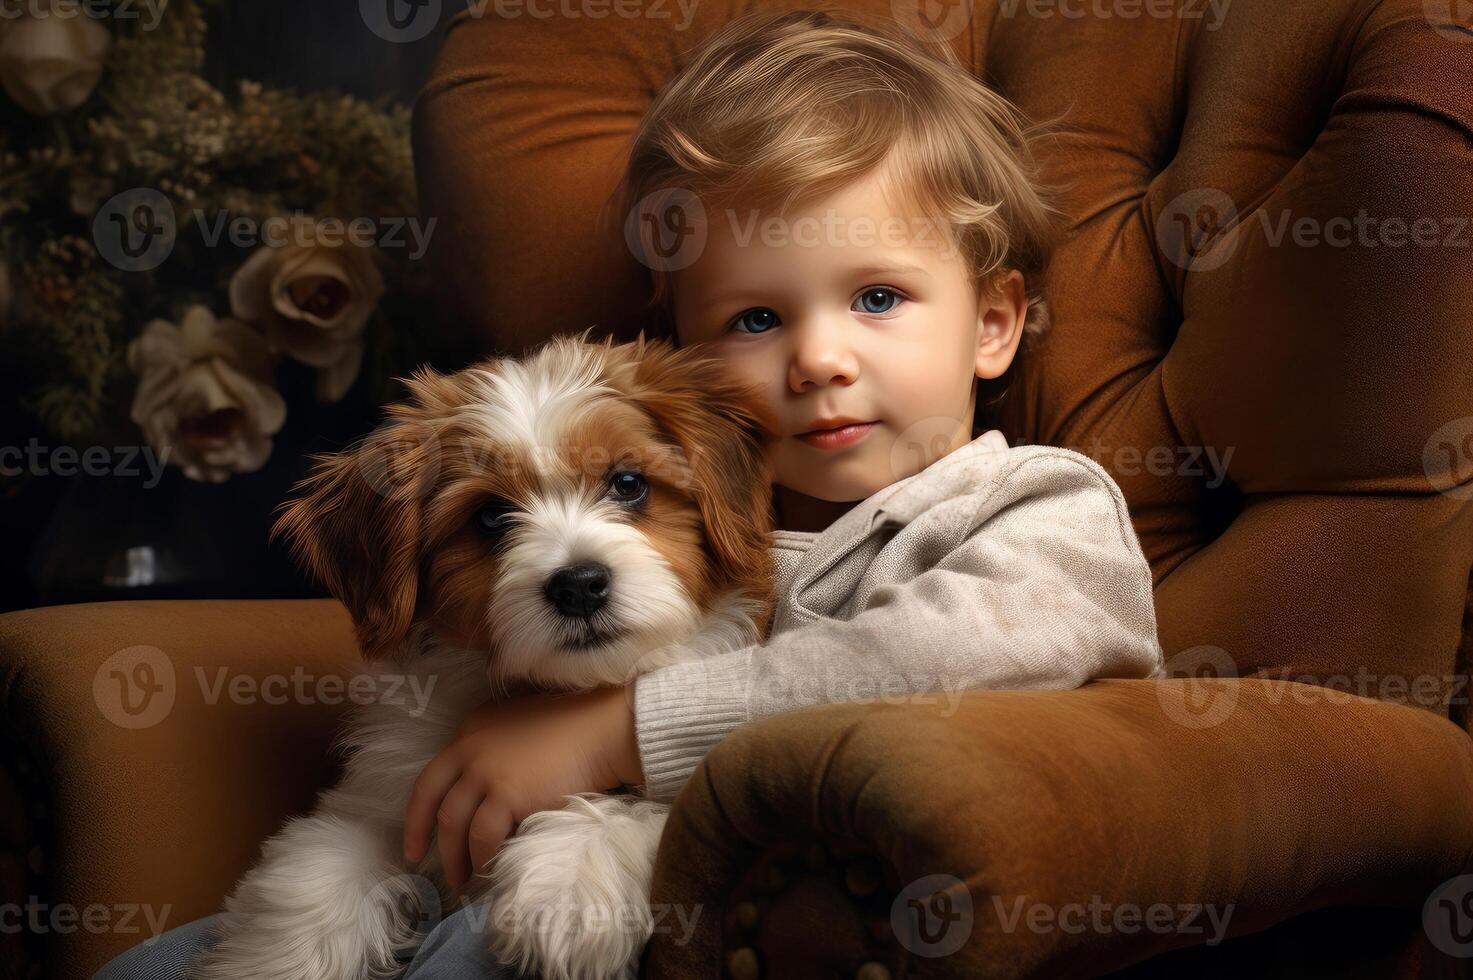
(579, 590)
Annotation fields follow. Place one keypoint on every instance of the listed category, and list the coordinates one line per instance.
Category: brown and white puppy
(567, 520)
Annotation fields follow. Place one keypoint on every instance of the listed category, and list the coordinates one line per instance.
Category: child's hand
(514, 758)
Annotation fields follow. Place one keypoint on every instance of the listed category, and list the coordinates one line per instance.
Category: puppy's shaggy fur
(564, 521)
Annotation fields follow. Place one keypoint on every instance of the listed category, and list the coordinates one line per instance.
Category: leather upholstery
(1041, 802)
(161, 818)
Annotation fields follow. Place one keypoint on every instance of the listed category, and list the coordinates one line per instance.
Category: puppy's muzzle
(579, 591)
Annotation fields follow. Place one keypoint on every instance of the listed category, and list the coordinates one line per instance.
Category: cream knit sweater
(994, 567)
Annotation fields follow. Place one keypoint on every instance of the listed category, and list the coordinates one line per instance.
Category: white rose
(313, 301)
(205, 399)
(50, 61)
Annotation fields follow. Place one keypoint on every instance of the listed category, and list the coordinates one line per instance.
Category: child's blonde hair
(776, 109)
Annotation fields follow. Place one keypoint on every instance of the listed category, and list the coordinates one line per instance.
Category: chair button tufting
(747, 914)
(742, 964)
(872, 971)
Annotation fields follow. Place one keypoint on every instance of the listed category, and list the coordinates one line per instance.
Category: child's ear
(1002, 308)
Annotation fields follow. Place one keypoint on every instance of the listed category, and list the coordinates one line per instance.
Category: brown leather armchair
(1244, 273)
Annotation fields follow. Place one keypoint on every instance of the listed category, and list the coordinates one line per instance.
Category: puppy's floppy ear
(355, 524)
(726, 436)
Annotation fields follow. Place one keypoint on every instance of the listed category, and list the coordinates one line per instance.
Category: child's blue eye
(757, 320)
(878, 300)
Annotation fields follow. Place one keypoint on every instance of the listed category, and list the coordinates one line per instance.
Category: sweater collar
(962, 469)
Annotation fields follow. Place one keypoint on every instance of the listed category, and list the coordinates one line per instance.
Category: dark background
(64, 539)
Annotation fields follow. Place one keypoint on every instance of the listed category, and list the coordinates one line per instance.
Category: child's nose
(822, 355)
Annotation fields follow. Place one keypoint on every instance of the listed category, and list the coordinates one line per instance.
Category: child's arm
(1034, 581)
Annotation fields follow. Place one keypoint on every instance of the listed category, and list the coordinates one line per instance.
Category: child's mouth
(837, 438)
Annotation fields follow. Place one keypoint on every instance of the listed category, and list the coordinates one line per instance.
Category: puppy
(565, 521)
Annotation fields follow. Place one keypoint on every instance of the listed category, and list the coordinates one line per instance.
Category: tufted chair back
(1263, 312)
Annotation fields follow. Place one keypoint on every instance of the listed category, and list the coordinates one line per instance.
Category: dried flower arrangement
(164, 245)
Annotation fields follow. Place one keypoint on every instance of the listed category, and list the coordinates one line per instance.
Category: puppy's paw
(568, 896)
(315, 908)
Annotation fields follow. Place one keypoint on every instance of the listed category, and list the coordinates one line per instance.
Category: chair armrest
(1277, 799)
(159, 804)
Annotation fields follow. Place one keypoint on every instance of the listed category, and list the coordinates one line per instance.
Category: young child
(857, 233)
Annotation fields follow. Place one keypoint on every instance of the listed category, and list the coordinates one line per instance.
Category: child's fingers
(490, 828)
(424, 804)
(452, 826)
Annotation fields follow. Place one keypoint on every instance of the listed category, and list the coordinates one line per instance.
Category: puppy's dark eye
(628, 487)
(491, 519)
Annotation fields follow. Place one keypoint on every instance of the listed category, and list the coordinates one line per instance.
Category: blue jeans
(453, 950)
